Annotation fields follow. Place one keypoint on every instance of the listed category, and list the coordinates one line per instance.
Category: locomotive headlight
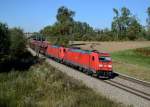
(100, 65)
(110, 66)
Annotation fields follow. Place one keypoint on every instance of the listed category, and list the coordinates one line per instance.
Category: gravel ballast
(101, 87)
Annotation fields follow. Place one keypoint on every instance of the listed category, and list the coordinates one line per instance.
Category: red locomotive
(57, 52)
(91, 62)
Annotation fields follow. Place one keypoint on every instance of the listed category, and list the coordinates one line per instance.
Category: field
(130, 58)
(44, 86)
(112, 46)
(135, 62)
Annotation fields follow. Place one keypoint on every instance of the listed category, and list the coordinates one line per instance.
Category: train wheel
(89, 72)
(81, 69)
(94, 75)
(84, 70)
(77, 67)
(61, 61)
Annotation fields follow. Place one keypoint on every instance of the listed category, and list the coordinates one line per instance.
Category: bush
(4, 40)
(13, 53)
(143, 51)
(60, 40)
(148, 35)
(45, 86)
(18, 42)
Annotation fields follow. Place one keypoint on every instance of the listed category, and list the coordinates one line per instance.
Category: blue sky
(33, 15)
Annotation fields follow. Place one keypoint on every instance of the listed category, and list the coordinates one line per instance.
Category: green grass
(133, 62)
(44, 86)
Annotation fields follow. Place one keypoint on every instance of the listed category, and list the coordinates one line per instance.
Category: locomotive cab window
(104, 59)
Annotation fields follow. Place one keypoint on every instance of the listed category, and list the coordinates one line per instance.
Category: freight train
(91, 62)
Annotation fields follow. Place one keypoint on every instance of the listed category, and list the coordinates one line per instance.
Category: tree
(66, 27)
(148, 24)
(125, 25)
(134, 30)
(125, 20)
(64, 20)
(4, 39)
(62, 41)
(116, 24)
(148, 19)
(64, 15)
(81, 30)
(18, 42)
(48, 30)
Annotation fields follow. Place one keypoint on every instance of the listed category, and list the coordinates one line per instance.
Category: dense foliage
(12, 41)
(44, 86)
(65, 28)
(18, 42)
(13, 53)
(125, 26)
(4, 39)
(148, 24)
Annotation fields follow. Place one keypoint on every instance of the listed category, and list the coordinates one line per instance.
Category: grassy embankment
(42, 85)
(134, 62)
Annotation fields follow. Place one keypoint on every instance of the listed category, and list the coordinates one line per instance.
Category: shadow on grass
(20, 63)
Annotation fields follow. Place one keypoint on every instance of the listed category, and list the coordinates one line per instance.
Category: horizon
(32, 15)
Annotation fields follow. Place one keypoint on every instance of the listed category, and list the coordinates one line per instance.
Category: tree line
(125, 26)
(13, 52)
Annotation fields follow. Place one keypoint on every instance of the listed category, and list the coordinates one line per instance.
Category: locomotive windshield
(104, 59)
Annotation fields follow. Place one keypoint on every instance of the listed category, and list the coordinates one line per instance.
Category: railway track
(145, 94)
(129, 84)
(135, 80)
(143, 90)
(129, 89)
(137, 90)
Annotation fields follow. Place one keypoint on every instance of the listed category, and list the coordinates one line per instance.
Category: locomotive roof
(55, 46)
(81, 51)
(88, 51)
